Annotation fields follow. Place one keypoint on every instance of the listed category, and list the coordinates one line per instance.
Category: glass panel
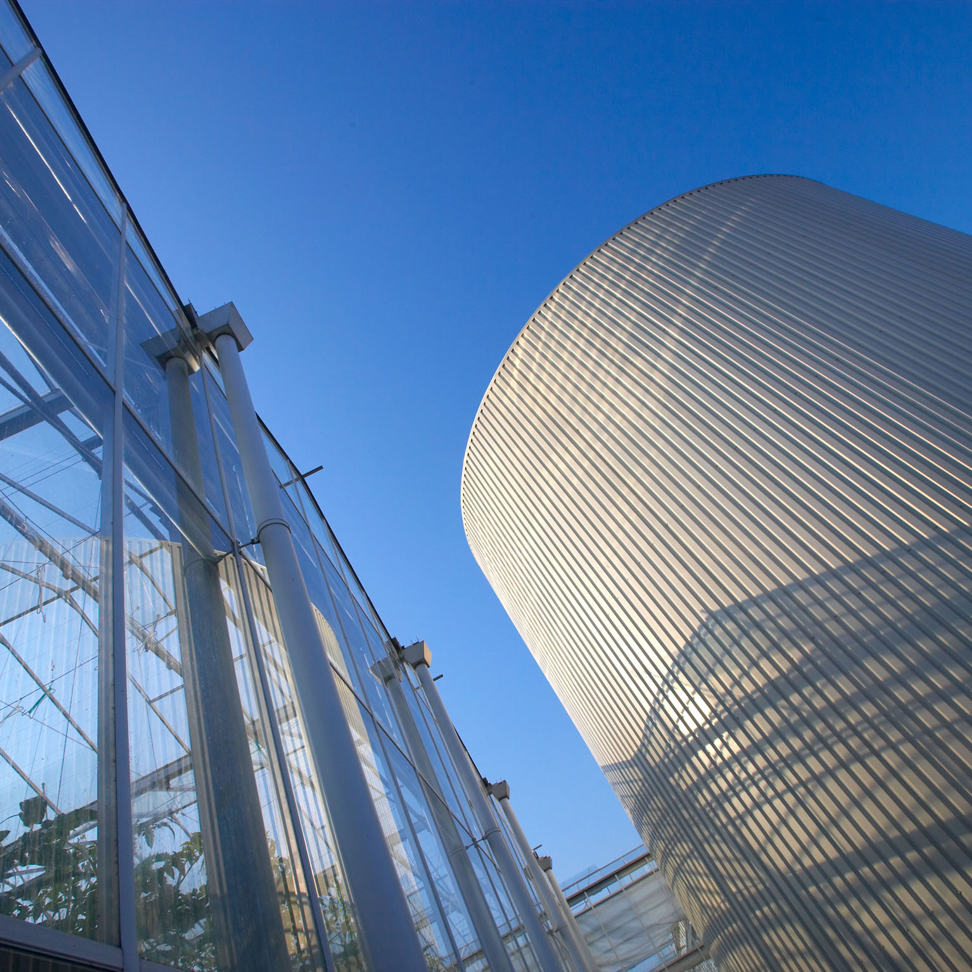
(52, 221)
(357, 647)
(331, 630)
(446, 774)
(213, 370)
(436, 863)
(168, 399)
(44, 89)
(282, 469)
(55, 654)
(336, 904)
(137, 242)
(215, 877)
(318, 526)
(405, 856)
(357, 591)
(210, 486)
(243, 520)
(13, 37)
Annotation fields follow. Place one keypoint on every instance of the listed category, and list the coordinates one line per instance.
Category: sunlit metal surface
(721, 482)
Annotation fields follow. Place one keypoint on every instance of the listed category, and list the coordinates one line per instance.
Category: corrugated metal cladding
(721, 482)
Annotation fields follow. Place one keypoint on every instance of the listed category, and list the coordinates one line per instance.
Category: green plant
(49, 874)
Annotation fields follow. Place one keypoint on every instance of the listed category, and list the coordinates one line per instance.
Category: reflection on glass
(42, 86)
(216, 882)
(398, 834)
(156, 342)
(53, 600)
(13, 37)
(336, 904)
(358, 650)
(52, 222)
(229, 455)
(224, 795)
(443, 883)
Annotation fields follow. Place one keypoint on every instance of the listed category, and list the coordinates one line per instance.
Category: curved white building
(721, 482)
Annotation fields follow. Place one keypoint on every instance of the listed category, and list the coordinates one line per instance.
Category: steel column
(546, 866)
(389, 936)
(243, 896)
(419, 656)
(560, 917)
(469, 887)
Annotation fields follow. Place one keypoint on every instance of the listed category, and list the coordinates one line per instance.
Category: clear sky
(388, 191)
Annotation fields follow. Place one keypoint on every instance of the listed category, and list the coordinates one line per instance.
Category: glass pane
(215, 877)
(282, 469)
(331, 630)
(449, 901)
(139, 247)
(318, 526)
(243, 520)
(357, 647)
(55, 644)
(164, 386)
(13, 37)
(446, 775)
(336, 904)
(42, 86)
(52, 221)
(405, 856)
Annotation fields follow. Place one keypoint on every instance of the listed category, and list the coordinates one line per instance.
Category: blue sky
(388, 191)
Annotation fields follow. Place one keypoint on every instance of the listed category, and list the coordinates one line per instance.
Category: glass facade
(630, 920)
(159, 801)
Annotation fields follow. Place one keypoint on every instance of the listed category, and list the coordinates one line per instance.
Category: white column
(560, 920)
(419, 656)
(389, 937)
(243, 899)
(546, 865)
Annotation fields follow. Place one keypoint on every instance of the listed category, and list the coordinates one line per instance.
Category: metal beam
(26, 416)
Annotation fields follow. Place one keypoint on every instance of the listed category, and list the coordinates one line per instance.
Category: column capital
(387, 669)
(417, 653)
(545, 863)
(225, 320)
(500, 790)
(174, 343)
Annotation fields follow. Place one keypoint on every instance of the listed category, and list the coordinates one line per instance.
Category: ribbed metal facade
(721, 482)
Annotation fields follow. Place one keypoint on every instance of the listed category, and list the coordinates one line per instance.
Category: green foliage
(172, 905)
(341, 933)
(48, 875)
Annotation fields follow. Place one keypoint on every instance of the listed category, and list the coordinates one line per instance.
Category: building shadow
(805, 773)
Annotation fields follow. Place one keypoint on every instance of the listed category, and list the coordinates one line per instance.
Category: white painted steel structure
(212, 757)
(721, 482)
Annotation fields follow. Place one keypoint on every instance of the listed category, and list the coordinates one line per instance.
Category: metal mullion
(124, 831)
(49, 942)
